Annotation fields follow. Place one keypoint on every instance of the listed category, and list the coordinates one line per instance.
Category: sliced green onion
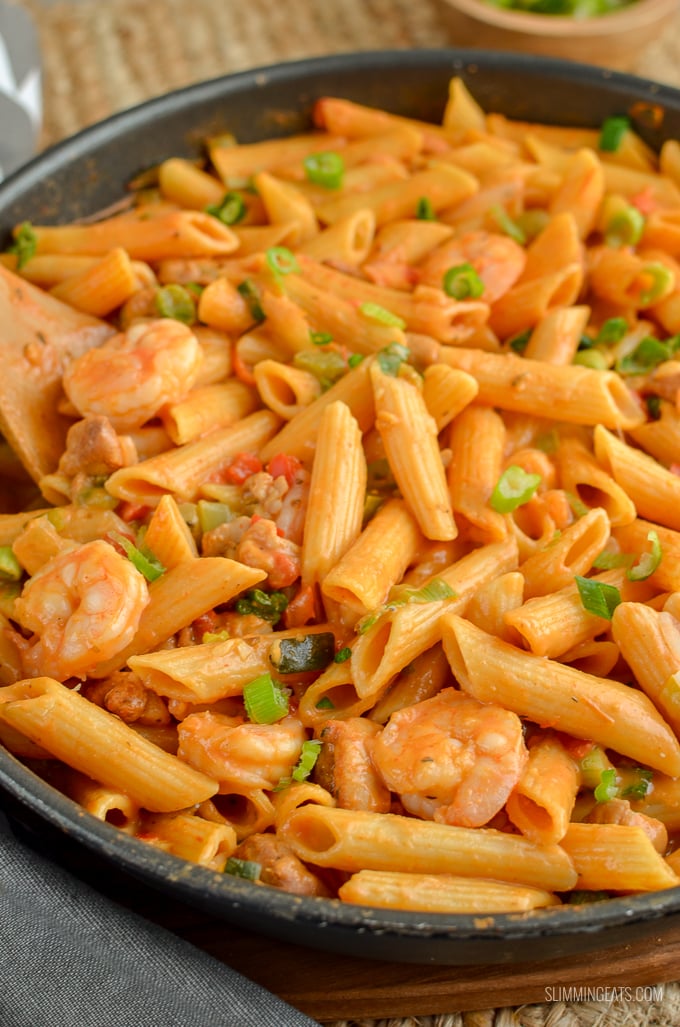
(434, 591)
(303, 653)
(532, 222)
(326, 365)
(648, 354)
(342, 655)
(305, 765)
(10, 568)
(326, 169)
(176, 302)
(230, 210)
(612, 133)
(518, 343)
(576, 505)
(597, 597)
(251, 295)
(374, 312)
(354, 359)
(592, 765)
(607, 560)
(462, 281)
(514, 488)
(625, 228)
(640, 786)
(248, 869)
(282, 261)
(25, 244)
(266, 605)
(325, 703)
(607, 789)
(424, 209)
(612, 330)
(662, 279)
(648, 562)
(265, 701)
(392, 357)
(592, 358)
(506, 224)
(144, 560)
(320, 338)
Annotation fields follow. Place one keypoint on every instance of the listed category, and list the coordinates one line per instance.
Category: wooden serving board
(333, 987)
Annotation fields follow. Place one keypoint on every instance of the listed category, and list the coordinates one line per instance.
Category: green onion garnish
(640, 786)
(576, 505)
(246, 868)
(648, 353)
(518, 343)
(176, 302)
(612, 133)
(507, 225)
(10, 568)
(607, 560)
(597, 597)
(305, 765)
(392, 357)
(264, 700)
(648, 562)
(342, 655)
(662, 278)
(25, 244)
(424, 209)
(230, 210)
(251, 295)
(432, 592)
(267, 605)
(326, 169)
(593, 358)
(592, 765)
(143, 559)
(612, 330)
(607, 788)
(282, 261)
(320, 338)
(462, 281)
(325, 704)
(514, 488)
(625, 228)
(374, 312)
(354, 359)
(325, 364)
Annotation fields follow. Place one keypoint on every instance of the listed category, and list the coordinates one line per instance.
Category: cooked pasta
(345, 554)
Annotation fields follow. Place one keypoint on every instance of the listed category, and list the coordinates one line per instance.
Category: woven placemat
(102, 56)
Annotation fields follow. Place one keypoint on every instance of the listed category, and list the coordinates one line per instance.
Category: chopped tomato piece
(645, 201)
(240, 468)
(129, 511)
(284, 465)
(301, 609)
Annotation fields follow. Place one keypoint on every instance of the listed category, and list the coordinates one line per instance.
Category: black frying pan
(88, 172)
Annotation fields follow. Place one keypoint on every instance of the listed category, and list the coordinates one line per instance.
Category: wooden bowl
(613, 40)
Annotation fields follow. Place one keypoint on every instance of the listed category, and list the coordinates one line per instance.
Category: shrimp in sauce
(497, 259)
(84, 607)
(231, 750)
(135, 373)
(451, 758)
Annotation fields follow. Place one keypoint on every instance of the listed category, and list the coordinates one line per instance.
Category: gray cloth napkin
(72, 958)
(20, 90)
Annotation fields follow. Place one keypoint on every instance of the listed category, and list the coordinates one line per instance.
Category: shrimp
(345, 769)
(131, 376)
(84, 606)
(254, 755)
(451, 758)
(497, 259)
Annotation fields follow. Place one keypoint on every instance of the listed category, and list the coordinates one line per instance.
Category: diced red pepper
(284, 465)
(240, 468)
(130, 511)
